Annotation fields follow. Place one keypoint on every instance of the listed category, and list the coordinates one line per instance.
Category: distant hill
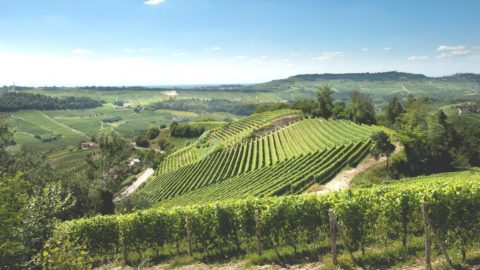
(380, 76)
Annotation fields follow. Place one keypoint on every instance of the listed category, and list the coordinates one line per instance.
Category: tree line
(27, 101)
(204, 105)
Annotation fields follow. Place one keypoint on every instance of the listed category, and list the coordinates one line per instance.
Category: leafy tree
(152, 132)
(7, 161)
(141, 141)
(13, 199)
(361, 109)
(325, 101)
(382, 146)
(43, 211)
(441, 142)
(393, 110)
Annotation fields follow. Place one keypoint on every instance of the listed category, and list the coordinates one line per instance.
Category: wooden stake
(188, 226)
(258, 233)
(333, 236)
(428, 241)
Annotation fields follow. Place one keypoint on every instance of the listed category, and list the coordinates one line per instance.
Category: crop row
(303, 137)
(288, 177)
(376, 216)
(226, 135)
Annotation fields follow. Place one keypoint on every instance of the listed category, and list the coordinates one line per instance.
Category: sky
(182, 42)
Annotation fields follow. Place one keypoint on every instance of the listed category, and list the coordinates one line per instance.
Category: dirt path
(406, 90)
(343, 179)
(140, 180)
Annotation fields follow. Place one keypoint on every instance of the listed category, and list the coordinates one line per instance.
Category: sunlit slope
(296, 155)
(224, 136)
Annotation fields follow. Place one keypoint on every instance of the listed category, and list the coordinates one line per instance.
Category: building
(180, 119)
(85, 145)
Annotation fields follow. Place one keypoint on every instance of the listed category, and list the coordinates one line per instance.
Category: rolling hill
(272, 153)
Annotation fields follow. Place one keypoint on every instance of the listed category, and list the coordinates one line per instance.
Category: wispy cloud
(214, 48)
(154, 2)
(450, 51)
(417, 57)
(364, 49)
(237, 57)
(387, 49)
(179, 54)
(79, 51)
(328, 56)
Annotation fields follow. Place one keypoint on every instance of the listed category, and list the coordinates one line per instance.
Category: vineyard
(230, 134)
(288, 177)
(286, 160)
(381, 216)
(71, 163)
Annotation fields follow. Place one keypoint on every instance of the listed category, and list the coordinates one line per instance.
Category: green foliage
(141, 141)
(152, 132)
(376, 216)
(325, 102)
(381, 146)
(13, 199)
(362, 110)
(393, 110)
(26, 101)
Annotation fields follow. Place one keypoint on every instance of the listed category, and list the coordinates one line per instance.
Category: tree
(361, 109)
(381, 146)
(393, 110)
(325, 101)
(152, 132)
(13, 199)
(7, 161)
(141, 141)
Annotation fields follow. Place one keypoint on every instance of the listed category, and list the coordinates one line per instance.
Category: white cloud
(263, 57)
(364, 49)
(387, 49)
(154, 2)
(237, 57)
(179, 54)
(214, 48)
(296, 54)
(81, 51)
(417, 57)
(328, 56)
(450, 51)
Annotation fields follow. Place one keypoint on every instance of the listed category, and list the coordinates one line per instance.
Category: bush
(152, 132)
(141, 141)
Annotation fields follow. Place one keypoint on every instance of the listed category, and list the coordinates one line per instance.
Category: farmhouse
(180, 119)
(85, 145)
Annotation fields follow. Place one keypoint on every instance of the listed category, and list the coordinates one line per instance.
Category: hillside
(272, 153)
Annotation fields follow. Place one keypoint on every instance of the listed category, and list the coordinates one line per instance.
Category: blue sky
(155, 42)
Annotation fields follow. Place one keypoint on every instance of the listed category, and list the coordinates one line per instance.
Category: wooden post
(258, 233)
(333, 236)
(125, 254)
(188, 226)
(428, 241)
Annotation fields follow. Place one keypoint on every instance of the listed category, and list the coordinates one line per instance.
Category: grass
(375, 175)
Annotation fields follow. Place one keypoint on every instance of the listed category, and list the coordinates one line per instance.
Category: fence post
(258, 233)
(428, 241)
(125, 254)
(188, 226)
(333, 236)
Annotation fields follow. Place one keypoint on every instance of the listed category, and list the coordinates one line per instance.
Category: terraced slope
(288, 177)
(223, 136)
(305, 138)
(72, 163)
